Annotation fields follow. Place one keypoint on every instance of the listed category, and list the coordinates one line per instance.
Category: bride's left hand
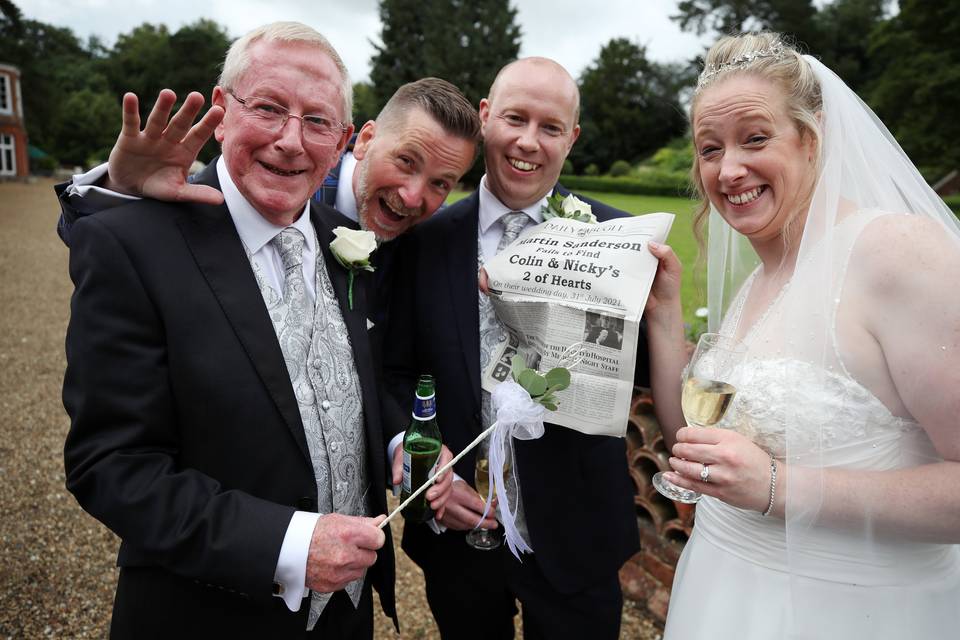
(739, 470)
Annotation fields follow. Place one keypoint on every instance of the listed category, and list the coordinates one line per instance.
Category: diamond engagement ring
(705, 473)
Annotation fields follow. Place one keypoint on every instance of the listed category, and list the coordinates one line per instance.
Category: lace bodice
(828, 409)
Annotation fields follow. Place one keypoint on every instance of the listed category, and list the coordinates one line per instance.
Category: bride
(832, 497)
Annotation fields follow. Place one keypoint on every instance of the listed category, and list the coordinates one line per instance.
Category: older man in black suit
(221, 388)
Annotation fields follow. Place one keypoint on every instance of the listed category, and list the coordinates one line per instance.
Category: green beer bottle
(421, 450)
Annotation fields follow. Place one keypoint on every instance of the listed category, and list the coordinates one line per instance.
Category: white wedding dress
(739, 578)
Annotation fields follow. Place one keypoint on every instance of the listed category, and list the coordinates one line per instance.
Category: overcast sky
(569, 31)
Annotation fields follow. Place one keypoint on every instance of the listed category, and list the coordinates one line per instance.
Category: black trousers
(473, 595)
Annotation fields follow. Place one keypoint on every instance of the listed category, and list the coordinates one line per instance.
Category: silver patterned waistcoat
(319, 357)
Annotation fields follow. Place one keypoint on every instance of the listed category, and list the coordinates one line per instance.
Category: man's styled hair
(238, 56)
(438, 98)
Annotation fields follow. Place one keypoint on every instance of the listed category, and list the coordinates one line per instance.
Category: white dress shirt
(491, 210)
(346, 200)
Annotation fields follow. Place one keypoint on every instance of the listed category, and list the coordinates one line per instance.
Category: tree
(629, 106)
(915, 57)
(845, 27)
(364, 103)
(837, 33)
(463, 41)
(53, 63)
(140, 62)
(86, 127)
(197, 51)
(794, 17)
(11, 18)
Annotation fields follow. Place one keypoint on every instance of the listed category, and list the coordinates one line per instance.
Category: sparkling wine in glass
(706, 396)
(478, 538)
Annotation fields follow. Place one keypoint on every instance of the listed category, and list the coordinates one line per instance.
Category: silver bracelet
(773, 485)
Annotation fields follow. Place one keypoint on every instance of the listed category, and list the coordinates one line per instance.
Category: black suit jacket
(186, 438)
(576, 492)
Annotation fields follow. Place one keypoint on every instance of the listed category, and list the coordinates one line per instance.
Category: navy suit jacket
(185, 437)
(577, 494)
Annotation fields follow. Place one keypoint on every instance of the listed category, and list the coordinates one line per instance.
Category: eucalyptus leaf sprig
(540, 387)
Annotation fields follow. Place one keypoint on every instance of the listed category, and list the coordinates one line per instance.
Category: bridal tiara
(775, 51)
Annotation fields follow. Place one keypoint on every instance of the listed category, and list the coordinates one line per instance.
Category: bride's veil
(863, 176)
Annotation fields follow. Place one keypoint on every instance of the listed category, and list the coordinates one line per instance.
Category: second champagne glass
(707, 393)
(482, 538)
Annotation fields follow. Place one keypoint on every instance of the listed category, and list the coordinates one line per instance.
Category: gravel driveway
(57, 568)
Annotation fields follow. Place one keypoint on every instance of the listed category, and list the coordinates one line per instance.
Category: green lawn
(681, 237)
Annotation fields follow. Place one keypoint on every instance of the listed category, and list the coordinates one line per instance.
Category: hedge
(660, 183)
(651, 184)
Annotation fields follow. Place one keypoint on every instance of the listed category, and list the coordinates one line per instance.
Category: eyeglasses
(270, 116)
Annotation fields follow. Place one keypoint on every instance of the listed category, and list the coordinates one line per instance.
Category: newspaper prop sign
(564, 284)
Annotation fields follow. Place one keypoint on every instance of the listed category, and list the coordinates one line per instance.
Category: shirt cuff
(391, 448)
(291, 573)
(84, 186)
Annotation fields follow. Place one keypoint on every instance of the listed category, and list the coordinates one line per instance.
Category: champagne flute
(707, 393)
(479, 538)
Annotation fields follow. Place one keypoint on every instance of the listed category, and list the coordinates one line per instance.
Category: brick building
(14, 162)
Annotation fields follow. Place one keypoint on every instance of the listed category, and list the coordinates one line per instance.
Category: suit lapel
(212, 238)
(462, 283)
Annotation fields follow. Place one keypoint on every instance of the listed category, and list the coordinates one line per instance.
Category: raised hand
(155, 162)
(341, 548)
(665, 292)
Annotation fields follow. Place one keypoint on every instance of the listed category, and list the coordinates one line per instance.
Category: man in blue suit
(575, 489)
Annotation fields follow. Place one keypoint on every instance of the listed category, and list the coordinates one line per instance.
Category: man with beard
(575, 491)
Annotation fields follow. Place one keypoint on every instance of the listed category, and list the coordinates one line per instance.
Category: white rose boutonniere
(352, 249)
(570, 207)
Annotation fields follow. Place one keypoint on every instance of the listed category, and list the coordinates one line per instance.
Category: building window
(8, 156)
(6, 95)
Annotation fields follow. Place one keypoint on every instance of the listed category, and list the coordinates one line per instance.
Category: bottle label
(425, 408)
(406, 472)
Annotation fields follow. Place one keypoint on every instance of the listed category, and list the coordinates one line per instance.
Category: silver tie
(296, 324)
(492, 333)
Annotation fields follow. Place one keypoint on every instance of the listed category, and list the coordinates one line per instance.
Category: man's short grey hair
(238, 57)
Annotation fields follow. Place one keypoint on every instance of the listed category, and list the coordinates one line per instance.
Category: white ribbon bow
(517, 417)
